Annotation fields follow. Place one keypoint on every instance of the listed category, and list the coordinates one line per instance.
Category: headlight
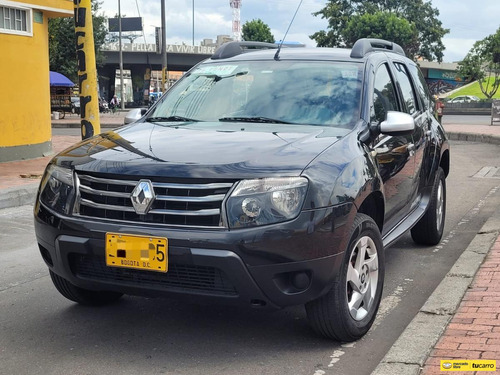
(57, 189)
(266, 201)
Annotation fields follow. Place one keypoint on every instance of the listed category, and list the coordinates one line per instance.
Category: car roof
(295, 54)
(255, 51)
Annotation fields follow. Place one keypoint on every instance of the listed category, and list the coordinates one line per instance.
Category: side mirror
(397, 123)
(143, 111)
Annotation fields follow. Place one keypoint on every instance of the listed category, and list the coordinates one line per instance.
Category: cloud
(456, 48)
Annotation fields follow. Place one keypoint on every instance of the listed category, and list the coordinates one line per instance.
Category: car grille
(200, 279)
(176, 203)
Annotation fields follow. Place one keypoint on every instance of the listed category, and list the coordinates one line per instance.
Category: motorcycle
(103, 106)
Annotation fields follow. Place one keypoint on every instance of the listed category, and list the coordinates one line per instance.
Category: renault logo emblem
(142, 197)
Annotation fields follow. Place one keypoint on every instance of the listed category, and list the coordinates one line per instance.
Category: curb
(410, 351)
(473, 137)
(18, 196)
(78, 125)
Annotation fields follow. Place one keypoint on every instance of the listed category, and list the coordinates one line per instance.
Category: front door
(394, 154)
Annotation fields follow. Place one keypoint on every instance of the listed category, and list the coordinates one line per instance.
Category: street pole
(87, 71)
(122, 94)
(164, 74)
(193, 22)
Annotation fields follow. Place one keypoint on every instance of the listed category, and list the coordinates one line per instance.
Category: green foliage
(62, 42)
(383, 25)
(482, 64)
(257, 31)
(475, 89)
(422, 31)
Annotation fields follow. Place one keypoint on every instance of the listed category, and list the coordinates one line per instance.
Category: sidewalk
(19, 179)
(108, 120)
(474, 133)
(461, 319)
(474, 330)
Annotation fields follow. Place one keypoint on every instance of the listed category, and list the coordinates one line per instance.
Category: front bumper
(267, 267)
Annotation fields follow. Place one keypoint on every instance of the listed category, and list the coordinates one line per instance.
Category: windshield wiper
(255, 119)
(170, 118)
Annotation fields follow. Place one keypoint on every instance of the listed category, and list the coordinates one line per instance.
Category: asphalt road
(42, 332)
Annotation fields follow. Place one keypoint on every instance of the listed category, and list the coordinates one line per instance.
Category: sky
(468, 20)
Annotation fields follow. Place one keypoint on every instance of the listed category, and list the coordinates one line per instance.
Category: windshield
(294, 92)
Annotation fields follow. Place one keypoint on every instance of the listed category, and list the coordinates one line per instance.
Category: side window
(384, 95)
(421, 85)
(406, 88)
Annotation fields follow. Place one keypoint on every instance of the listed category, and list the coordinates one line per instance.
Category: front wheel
(429, 229)
(348, 310)
(83, 296)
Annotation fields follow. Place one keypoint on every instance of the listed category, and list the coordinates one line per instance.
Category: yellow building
(25, 126)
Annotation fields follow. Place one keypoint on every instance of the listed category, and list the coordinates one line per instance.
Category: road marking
(488, 172)
(465, 219)
(335, 357)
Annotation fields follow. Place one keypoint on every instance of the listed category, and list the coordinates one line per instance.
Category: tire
(429, 229)
(83, 296)
(349, 308)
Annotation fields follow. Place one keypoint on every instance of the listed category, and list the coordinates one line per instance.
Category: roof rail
(365, 45)
(231, 49)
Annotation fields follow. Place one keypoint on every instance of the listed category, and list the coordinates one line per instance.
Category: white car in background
(464, 99)
(133, 115)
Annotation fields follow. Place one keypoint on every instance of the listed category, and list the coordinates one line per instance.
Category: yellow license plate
(137, 252)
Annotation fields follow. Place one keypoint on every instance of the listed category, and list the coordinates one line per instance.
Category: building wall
(25, 124)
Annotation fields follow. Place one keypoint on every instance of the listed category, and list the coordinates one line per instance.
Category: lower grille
(179, 277)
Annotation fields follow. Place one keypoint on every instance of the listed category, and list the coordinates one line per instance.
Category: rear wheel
(429, 229)
(348, 310)
(83, 296)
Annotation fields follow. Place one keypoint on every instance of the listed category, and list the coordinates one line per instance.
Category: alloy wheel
(362, 278)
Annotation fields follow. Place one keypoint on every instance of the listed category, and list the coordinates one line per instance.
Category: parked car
(266, 178)
(464, 99)
(134, 115)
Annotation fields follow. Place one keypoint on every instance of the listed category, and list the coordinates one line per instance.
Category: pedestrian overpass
(139, 57)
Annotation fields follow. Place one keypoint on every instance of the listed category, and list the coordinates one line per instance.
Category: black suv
(264, 177)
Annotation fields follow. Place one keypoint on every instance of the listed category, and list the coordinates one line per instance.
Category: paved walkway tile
(474, 331)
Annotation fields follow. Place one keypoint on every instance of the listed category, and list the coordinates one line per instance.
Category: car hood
(202, 150)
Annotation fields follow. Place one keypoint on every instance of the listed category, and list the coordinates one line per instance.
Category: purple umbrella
(57, 79)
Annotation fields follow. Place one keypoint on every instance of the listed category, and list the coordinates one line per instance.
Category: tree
(62, 42)
(426, 26)
(383, 25)
(482, 63)
(257, 31)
